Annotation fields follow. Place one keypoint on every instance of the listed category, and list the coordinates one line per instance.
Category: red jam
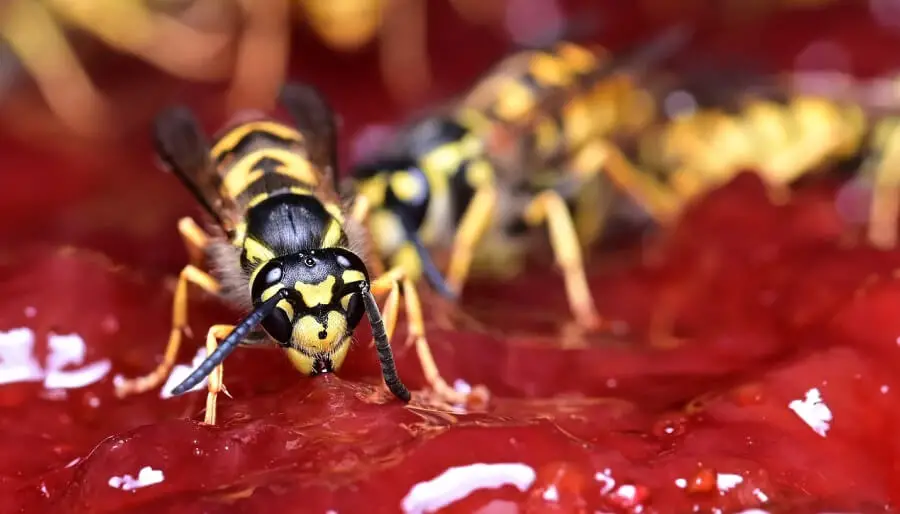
(753, 366)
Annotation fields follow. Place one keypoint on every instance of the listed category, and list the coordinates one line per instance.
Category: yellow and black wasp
(755, 124)
(475, 173)
(281, 248)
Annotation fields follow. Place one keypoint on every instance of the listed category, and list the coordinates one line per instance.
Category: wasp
(754, 126)
(508, 156)
(783, 131)
(281, 246)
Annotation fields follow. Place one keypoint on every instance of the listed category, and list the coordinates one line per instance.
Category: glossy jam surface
(750, 363)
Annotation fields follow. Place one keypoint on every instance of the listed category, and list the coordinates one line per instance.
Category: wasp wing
(184, 150)
(316, 121)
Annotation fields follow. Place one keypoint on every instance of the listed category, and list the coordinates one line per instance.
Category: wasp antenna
(231, 342)
(383, 346)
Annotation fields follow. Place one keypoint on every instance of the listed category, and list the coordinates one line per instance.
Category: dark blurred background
(80, 81)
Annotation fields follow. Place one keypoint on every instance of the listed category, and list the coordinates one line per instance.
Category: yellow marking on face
(232, 138)
(405, 186)
(515, 100)
(345, 301)
(407, 258)
(352, 275)
(304, 364)
(256, 251)
(479, 173)
(549, 71)
(315, 337)
(333, 234)
(286, 307)
(270, 291)
(316, 294)
(374, 189)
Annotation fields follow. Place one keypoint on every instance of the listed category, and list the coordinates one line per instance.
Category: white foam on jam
(813, 411)
(17, 360)
(147, 476)
(458, 482)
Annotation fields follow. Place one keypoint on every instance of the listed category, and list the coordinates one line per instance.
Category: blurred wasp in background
(191, 39)
(524, 146)
(244, 42)
(773, 126)
(282, 246)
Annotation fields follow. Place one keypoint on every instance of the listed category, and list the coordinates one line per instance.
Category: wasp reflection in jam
(282, 247)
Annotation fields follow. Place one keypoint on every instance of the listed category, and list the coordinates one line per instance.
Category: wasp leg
(195, 240)
(661, 203)
(885, 208)
(403, 56)
(266, 33)
(41, 45)
(392, 281)
(472, 226)
(188, 275)
(549, 206)
(215, 384)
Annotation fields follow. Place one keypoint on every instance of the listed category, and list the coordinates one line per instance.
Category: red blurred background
(614, 426)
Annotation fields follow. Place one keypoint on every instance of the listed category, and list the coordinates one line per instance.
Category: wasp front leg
(39, 41)
(189, 275)
(392, 282)
(215, 384)
(885, 206)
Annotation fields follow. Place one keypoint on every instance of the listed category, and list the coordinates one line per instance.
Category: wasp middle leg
(189, 275)
(196, 241)
(215, 385)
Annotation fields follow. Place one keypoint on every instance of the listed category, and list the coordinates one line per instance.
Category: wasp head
(315, 318)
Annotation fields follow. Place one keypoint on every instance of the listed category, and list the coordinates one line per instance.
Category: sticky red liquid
(774, 307)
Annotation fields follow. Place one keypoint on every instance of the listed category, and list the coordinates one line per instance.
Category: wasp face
(315, 320)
